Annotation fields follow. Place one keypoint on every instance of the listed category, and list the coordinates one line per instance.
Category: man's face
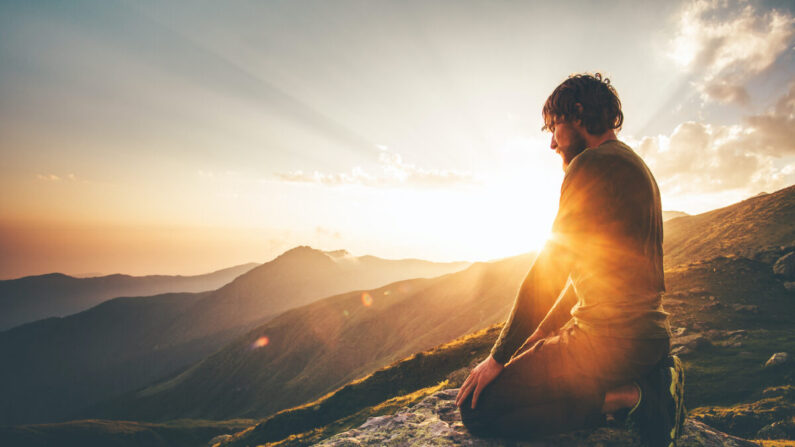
(567, 141)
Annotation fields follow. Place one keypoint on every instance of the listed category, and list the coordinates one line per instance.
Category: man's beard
(578, 144)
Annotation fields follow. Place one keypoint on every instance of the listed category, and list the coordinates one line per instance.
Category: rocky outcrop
(436, 421)
(785, 265)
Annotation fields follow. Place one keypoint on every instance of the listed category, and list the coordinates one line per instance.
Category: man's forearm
(536, 298)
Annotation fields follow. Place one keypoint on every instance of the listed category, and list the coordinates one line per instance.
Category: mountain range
(57, 366)
(56, 295)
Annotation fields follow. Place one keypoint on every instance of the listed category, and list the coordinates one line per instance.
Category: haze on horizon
(155, 137)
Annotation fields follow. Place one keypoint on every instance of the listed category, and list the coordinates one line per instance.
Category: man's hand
(480, 376)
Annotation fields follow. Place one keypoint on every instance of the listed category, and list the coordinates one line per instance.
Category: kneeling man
(587, 339)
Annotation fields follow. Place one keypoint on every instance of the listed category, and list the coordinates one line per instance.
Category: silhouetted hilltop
(32, 298)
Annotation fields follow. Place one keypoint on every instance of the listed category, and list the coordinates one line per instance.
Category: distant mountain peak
(338, 253)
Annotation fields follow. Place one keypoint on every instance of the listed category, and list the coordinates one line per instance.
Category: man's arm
(536, 299)
(555, 319)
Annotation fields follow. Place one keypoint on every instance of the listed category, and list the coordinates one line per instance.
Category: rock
(777, 430)
(778, 358)
(219, 439)
(436, 421)
(785, 266)
(746, 308)
(679, 331)
(712, 305)
(689, 343)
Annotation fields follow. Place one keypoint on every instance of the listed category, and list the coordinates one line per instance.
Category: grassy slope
(755, 224)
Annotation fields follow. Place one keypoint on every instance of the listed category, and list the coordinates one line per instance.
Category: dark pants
(559, 384)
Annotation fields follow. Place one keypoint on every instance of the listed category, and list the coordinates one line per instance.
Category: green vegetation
(375, 394)
(777, 404)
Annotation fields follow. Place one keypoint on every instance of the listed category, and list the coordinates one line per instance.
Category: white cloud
(757, 155)
(394, 172)
(726, 43)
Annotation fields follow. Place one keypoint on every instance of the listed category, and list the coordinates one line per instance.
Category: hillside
(316, 348)
(761, 223)
(58, 366)
(56, 295)
(297, 277)
(668, 215)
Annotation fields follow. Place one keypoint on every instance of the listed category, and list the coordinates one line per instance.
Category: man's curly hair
(600, 108)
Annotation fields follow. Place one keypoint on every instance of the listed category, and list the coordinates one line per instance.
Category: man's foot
(660, 414)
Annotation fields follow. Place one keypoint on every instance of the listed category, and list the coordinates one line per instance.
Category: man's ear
(578, 108)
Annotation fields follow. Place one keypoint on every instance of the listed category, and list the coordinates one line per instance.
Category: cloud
(394, 172)
(705, 158)
(55, 178)
(727, 43)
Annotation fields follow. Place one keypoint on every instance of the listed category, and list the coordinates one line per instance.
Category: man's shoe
(659, 416)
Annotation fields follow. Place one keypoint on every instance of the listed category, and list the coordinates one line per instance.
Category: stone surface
(435, 421)
(687, 344)
(785, 266)
(778, 358)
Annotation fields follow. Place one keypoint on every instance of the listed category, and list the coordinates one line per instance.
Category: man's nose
(553, 144)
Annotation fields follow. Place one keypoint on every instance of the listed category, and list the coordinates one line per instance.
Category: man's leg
(539, 392)
(560, 384)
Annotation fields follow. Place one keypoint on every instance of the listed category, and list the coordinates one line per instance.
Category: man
(594, 338)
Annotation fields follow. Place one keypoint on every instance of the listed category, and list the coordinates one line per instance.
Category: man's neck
(597, 140)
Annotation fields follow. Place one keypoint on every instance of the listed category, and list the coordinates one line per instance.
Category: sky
(160, 137)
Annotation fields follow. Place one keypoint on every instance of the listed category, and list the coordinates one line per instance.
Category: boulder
(689, 343)
(436, 421)
(746, 308)
(785, 266)
(778, 358)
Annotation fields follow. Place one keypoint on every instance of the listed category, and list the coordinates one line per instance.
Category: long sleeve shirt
(607, 240)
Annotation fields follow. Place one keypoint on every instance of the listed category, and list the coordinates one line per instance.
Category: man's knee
(477, 421)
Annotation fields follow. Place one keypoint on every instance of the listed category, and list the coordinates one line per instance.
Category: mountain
(315, 348)
(668, 215)
(54, 367)
(297, 277)
(55, 295)
(763, 223)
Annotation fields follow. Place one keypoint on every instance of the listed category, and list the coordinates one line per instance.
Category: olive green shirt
(607, 240)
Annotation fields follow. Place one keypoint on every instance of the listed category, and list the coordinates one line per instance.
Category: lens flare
(367, 300)
(260, 342)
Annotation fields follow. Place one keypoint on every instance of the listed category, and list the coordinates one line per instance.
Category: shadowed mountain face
(55, 295)
(54, 367)
(761, 223)
(297, 277)
(316, 348)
